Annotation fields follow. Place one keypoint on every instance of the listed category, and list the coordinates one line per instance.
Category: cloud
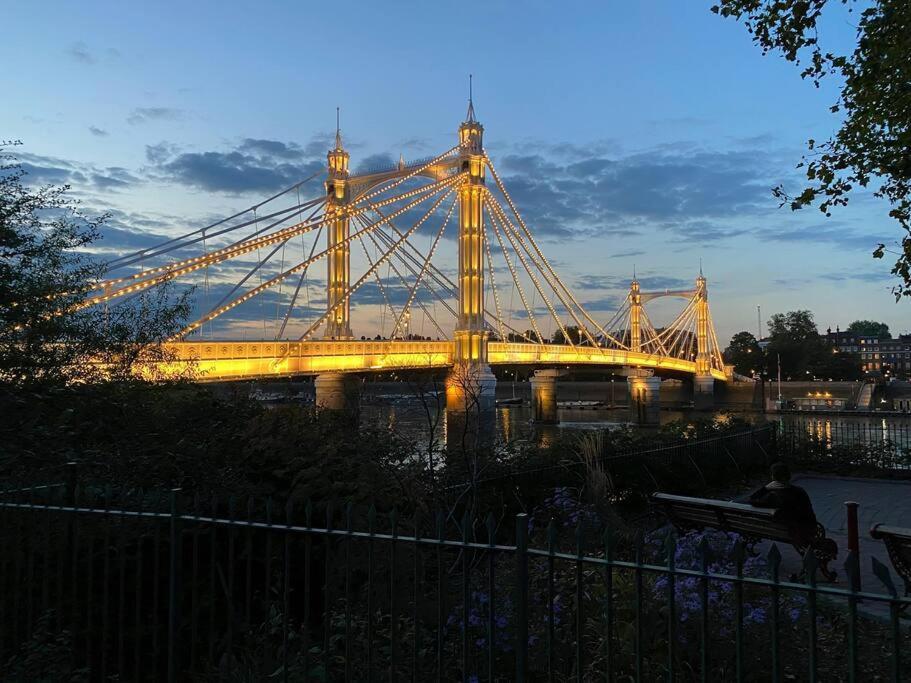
(647, 282)
(52, 170)
(79, 52)
(253, 165)
(832, 232)
(682, 188)
(98, 132)
(142, 115)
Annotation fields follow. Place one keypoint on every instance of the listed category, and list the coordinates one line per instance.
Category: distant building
(877, 355)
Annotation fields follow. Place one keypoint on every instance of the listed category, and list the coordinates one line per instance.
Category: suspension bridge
(377, 234)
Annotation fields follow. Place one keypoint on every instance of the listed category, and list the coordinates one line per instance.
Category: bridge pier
(703, 392)
(470, 388)
(644, 398)
(336, 391)
(544, 396)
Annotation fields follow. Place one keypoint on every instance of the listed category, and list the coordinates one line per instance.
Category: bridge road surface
(879, 501)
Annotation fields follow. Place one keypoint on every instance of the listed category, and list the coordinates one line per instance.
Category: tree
(796, 326)
(872, 144)
(575, 335)
(870, 328)
(744, 353)
(794, 339)
(45, 274)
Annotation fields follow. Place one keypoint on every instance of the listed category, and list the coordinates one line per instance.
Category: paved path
(880, 500)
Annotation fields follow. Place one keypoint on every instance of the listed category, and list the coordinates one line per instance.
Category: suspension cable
(300, 266)
(353, 288)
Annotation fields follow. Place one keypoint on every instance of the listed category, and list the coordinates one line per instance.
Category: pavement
(879, 501)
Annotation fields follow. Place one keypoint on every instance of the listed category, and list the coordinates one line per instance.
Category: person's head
(780, 472)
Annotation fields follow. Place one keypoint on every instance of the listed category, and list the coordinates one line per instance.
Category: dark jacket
(793, 507)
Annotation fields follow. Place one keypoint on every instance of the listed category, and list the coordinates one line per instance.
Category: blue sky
(646, 133)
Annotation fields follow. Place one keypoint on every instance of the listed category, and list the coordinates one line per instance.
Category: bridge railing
(102, 584)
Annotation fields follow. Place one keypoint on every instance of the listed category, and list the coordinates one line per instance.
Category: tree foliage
(872, 145)
(870, 328)
(744, 353)
(46, 273)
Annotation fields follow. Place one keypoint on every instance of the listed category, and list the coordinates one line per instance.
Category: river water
(408, 416)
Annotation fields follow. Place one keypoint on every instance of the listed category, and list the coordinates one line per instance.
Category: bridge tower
(471, 383)
(635, 313)
(703, 382)
(338, 325)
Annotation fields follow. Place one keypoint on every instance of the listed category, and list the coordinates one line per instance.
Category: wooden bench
(898, 544)
(753, 523)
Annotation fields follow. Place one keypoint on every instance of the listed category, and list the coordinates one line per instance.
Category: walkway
(880, 500)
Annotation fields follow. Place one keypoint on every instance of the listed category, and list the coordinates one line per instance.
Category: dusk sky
(628, 133)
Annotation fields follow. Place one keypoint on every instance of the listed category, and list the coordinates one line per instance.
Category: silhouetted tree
(45, 273)
(744, 353)
(870, 328)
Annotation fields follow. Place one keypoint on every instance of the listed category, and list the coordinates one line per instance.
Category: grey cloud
(647, 282)
(98, 132)
(254, 165)
(832, 232)
(145, 114)
(43, 170)
(79, 52)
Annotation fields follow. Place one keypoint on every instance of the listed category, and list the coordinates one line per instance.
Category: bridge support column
(703, 382)
(338, 280)
(470, 388)
(544, 396)
(336, 391)
(470, 385)
(703, 392)
(644, 399)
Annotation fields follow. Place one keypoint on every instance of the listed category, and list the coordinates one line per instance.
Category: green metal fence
(97, 584)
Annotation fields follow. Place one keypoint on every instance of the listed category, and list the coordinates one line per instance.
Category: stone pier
(703, 392)
(544, 396)
(336, 391)
(644, 398)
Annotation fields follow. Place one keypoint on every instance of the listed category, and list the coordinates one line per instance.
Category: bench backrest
(718, 514)
(898, 540)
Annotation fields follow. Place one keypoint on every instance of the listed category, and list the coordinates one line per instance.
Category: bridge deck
(229, 360)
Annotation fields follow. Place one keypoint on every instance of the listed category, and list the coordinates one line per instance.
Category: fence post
(521, 597)
(173, 589)
(853, 541)
(72, 474)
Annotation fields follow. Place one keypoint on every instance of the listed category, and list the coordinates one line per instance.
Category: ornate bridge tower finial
(338, 326)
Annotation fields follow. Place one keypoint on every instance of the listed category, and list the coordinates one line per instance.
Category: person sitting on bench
(792, 502)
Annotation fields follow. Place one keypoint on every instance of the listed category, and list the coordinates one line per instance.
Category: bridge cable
(492, 212)
(531, 238)
(515, 279)
(190, 265)
(353, 288)
(382, 286)
(301, 280)
(303, 275)
(582, 327)
(300, 266)
(402, 279)
(222, 221)
(130, 259)
(420, 275)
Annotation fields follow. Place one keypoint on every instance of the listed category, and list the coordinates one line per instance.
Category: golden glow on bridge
(223, 361)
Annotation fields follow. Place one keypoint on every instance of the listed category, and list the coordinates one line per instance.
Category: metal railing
(836, 443)
(170, 589)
